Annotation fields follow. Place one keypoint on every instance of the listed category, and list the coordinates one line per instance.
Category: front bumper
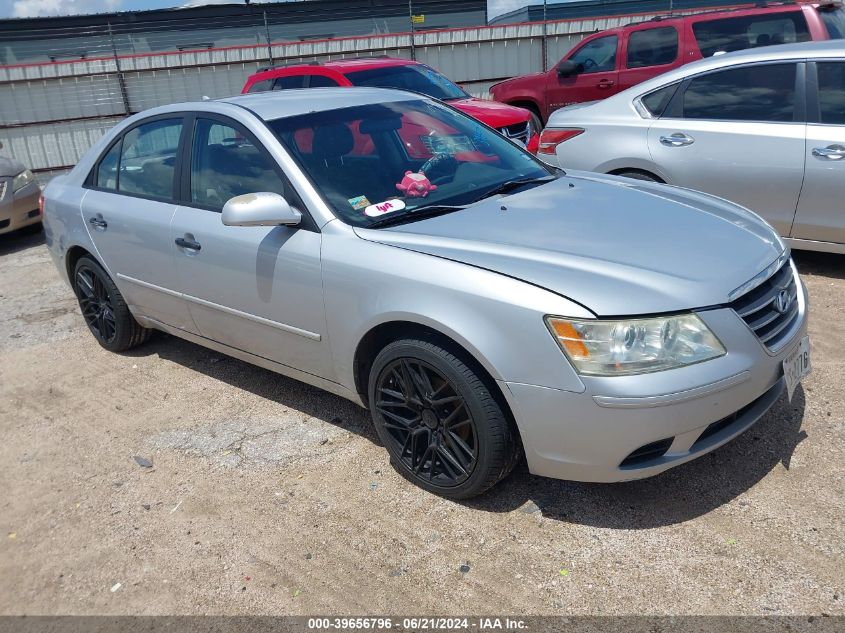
(667, 417)
(18, 208)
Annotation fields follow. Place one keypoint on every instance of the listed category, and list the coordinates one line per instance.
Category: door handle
(678, 139)
(189, 244)
(98, 222)
(831, 152)
(606, 83)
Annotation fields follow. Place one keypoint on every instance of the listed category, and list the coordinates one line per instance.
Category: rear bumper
(19, 209)
(634, 427)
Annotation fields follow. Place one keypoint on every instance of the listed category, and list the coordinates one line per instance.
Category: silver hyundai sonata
(389, 249)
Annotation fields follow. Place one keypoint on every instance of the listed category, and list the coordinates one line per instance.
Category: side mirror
(567, 68)
(259, 209)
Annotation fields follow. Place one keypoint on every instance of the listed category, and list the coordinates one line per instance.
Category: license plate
(796, 365)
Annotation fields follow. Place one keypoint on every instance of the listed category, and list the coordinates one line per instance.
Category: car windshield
(400, 157)
(416, 77)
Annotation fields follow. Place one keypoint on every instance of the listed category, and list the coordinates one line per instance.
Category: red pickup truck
(613, 60)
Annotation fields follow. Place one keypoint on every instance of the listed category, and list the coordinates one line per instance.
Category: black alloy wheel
(428, 423)
(96, 304)
(104, 309)
(439, 420)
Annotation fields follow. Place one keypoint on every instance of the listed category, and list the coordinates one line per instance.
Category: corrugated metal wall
(51, 113)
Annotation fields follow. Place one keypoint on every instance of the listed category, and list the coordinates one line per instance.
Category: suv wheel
(104, 309)
(444, 430)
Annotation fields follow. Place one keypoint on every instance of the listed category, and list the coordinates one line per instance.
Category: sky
(31, 8)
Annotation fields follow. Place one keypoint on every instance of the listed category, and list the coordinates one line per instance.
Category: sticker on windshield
(388, 206)
(360, 202)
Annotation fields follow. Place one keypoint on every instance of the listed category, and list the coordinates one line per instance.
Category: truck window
(652, 47)
(596, 56)
(737, 33)
(321, 81)
(834, 19)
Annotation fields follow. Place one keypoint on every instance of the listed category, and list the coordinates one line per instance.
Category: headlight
(634, 346)
(22, 180)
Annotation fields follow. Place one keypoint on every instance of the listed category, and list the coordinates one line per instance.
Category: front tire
(104, 309)
(443, 429)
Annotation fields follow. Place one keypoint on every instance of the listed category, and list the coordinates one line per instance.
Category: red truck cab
(386, 72)
(609, 61)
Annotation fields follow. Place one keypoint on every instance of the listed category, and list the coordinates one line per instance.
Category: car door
(595, 74)
(127, 209)
(821, 210)
(649, 51)
(737, 133)
(257, 289)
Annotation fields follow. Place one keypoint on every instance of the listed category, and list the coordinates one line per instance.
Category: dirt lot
(268, 496)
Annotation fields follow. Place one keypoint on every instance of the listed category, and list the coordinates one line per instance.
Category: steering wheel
(589, 63)
(440, 168)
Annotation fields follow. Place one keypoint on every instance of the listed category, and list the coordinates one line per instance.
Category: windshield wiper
(510, 185)
(413, 215)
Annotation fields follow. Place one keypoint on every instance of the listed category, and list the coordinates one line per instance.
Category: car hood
(492, 113)
(9, 167)
(616, 246)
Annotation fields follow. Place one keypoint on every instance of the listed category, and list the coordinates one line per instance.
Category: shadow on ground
(21, 240)
(822, 264)
(678, 495)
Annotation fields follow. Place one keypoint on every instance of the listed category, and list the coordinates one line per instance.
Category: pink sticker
(388, 206)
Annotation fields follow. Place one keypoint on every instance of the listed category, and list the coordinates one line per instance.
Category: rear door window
(749, 93)
(738, 33)
(833, 18)
(832, 92)
(148, 159)
(321, 81)
(289, 83)
(652, 47)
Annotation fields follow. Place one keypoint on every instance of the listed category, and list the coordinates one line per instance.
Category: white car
(764, 128)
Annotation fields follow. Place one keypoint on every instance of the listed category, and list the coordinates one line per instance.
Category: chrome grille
(771, 308)
(518, 131)
(3, 184)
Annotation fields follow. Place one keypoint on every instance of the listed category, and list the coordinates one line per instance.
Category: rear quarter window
(737, 33)
(261, 86)
(655, 102)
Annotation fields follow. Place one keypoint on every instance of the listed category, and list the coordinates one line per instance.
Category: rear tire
(637, 175)
(443, 429)
(104, 309)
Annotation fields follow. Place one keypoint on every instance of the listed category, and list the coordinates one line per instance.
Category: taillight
(41, 205)
(550, 139)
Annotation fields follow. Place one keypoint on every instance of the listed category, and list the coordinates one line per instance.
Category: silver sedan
(764, 128)
(388, 248)
(19, 195)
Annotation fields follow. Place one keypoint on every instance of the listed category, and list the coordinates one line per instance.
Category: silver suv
(392, 250)
(764, 128)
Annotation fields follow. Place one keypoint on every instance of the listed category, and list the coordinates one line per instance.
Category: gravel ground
(262, 495)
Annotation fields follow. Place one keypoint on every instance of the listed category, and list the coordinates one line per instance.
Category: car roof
(349, 64)
(782, 52)
(277, 104)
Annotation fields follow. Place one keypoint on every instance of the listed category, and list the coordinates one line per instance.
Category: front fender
(497, 319)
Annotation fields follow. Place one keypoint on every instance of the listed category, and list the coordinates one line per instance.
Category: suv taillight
(550, 139)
